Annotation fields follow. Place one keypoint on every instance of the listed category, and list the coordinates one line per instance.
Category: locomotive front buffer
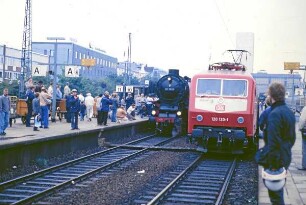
(220, 140)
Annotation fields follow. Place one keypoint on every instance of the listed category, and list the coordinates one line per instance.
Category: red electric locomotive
(223, 109)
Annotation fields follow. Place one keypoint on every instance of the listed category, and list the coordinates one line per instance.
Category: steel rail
(161, 194)
(29, 199)
(174, 184)
(5, 184)
(226, 183)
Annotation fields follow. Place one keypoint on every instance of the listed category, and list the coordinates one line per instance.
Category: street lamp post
(54, 76)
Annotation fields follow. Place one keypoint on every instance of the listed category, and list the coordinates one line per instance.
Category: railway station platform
(295, 188)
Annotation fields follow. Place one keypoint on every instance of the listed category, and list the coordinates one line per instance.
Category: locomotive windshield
(222, 87)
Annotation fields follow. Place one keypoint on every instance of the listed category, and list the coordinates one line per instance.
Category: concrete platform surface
(19, 133)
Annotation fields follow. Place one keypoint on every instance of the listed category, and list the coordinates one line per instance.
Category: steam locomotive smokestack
(174, 72)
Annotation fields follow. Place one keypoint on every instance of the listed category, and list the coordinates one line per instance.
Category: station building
(70, 53)
(10, 62)
(290, 81)
(295, 92)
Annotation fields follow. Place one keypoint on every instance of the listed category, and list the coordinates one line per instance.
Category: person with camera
(280, 140)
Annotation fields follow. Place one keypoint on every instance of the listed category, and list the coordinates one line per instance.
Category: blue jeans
(4, 121)
(114, 112)
(29, 114)
(277, 197)
(82, 114)
(74, 120)
(45, 116)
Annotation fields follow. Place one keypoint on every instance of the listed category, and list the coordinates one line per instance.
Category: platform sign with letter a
(119, 88)
(129, 89)
(72, 71)
(39, 70)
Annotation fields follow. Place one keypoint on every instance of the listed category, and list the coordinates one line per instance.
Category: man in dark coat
(74, 107)
(129, 100)
(105, 103)
(281, 135)
(29, 98)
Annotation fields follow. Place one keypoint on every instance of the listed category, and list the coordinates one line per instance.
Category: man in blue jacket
(29, 98)
(5, 106)
(74, 107)
(281, 135)
(105, 103)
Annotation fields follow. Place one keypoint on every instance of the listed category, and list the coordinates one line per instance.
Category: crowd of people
(105, 107)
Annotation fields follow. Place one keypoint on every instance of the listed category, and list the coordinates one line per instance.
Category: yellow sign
(88, 62)
(292, 65)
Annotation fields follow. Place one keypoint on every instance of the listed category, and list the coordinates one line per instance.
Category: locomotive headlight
(179, 113)
(199, 118)
(240, 120)
(169, 78)
(153, 112)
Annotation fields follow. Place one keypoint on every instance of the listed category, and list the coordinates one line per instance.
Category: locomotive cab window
(235, 88)
(222, 87)
(209, 87)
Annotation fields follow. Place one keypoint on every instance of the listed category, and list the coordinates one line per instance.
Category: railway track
(31, 187)
(201, 182)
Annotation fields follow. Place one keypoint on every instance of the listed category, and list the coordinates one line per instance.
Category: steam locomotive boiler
(171, 109)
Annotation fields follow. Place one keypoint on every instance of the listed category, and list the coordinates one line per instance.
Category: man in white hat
(89, 102)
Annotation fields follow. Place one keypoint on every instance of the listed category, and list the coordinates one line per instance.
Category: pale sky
(180, 34)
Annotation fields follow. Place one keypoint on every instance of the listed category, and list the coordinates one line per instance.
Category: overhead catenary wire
(224, 23)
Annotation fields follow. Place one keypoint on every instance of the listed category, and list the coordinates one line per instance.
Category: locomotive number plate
(219, 119)
(220, 107)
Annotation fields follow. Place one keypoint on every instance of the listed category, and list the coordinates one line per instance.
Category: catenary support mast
(26, 53)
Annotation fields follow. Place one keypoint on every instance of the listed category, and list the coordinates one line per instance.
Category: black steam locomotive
(171, 109)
